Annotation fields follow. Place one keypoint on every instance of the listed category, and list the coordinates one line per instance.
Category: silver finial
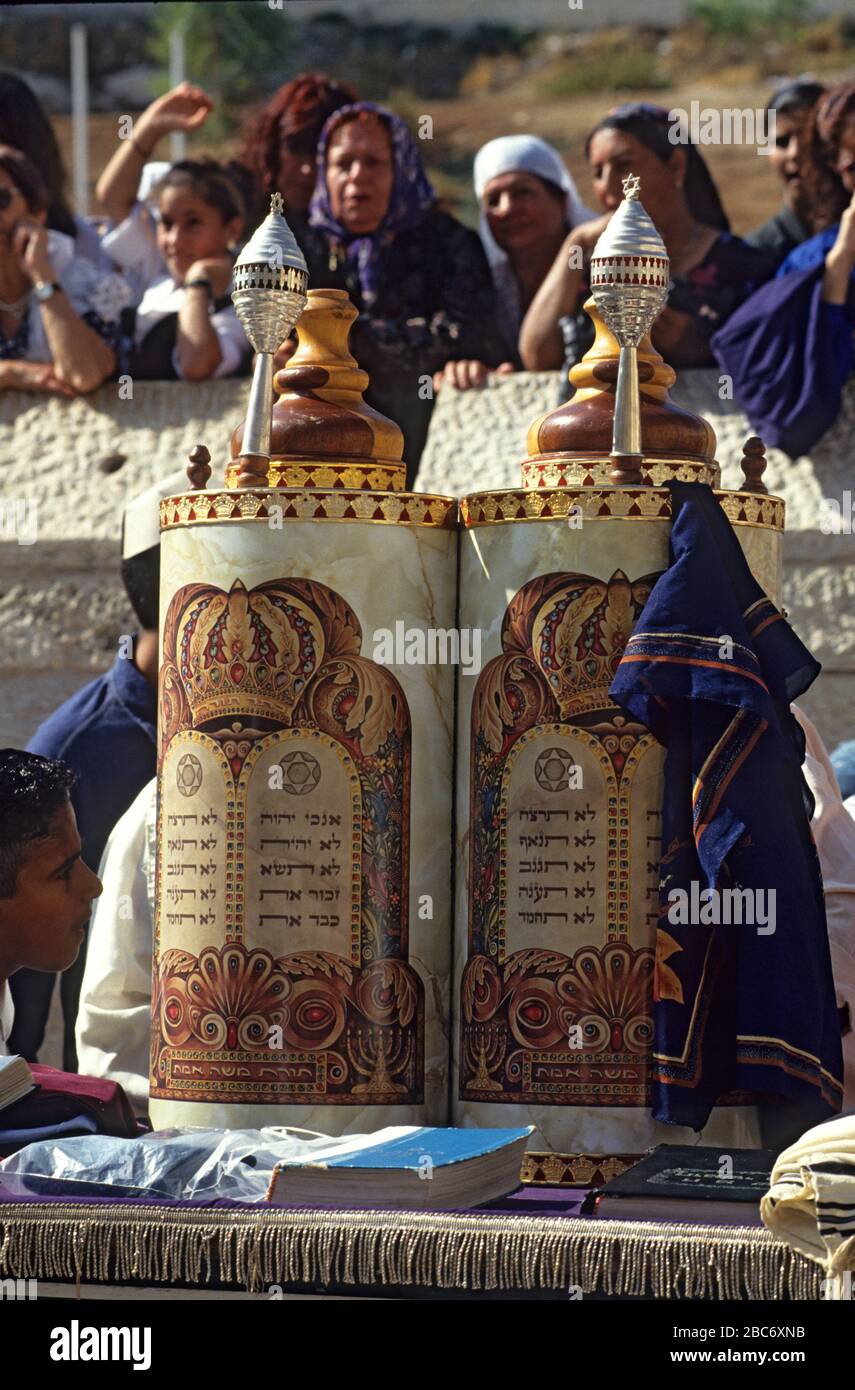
(270, 289)
(629, 282)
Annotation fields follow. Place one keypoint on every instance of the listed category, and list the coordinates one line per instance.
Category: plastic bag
(184, 1164)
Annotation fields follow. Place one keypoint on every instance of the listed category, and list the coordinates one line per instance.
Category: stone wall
(62, 607)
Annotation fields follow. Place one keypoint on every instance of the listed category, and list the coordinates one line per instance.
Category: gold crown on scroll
(248, 653)
(578, 637)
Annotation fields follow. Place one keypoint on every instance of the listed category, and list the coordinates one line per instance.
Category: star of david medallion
(552, 769)
(188, 775)
(301, 772)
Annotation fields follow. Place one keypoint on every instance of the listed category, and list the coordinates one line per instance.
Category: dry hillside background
(559, 85)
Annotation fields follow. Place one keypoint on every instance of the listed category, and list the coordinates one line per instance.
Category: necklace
(17, 305)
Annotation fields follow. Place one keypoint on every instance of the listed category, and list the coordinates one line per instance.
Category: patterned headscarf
(411, 198)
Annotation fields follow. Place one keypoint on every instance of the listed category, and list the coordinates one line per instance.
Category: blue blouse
(789, 352)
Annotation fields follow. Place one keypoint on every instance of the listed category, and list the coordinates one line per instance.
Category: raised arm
(184, 108)
(196, 341)
(840, 261)
(541, 345)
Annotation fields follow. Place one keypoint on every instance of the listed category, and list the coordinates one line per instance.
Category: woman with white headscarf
(528, 203)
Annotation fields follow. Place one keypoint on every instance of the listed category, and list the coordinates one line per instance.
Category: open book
(423, 1169)
(16, 1080)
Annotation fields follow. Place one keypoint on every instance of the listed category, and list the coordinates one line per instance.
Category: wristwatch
(43, 290)
(201, 283)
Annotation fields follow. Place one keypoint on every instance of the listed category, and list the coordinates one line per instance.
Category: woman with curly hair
(281, 143)
(790, 348)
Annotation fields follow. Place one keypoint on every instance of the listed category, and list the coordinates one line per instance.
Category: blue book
(420, 1169)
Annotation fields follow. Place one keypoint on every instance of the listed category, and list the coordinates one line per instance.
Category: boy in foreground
(46, 889)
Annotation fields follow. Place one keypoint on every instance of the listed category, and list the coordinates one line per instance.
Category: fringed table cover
(253, 1249)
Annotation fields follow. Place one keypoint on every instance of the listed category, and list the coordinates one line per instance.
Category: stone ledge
(820, 601)
(477, 440)
(50, 448)
(62, 604)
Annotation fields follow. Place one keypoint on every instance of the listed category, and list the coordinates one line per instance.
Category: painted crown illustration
(246, 652)
(578, 637)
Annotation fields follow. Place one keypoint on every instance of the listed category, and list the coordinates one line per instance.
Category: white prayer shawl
(114, 1018)
(811, 1200)
(7, 1016)
(834, 835)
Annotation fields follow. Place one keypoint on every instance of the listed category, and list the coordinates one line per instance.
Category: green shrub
(233, 50)
(745, 18)
(606, 72)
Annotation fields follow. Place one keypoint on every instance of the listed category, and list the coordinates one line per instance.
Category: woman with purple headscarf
(419, 278)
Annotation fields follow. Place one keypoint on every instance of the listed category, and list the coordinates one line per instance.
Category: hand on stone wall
(466, 374)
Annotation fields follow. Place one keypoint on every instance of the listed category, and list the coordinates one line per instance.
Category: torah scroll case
(558, 790)
(303, 928)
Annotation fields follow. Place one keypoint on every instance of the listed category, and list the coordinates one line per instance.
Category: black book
(709, 1185)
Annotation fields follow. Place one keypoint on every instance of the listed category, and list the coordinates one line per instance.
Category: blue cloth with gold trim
(743, 992)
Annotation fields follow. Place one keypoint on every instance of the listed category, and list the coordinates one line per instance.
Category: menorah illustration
(484, 1051)
(380, 1053)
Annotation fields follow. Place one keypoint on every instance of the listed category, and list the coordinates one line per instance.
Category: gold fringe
(254, 1249)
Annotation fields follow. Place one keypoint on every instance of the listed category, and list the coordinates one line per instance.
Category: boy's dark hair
(32, 790)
